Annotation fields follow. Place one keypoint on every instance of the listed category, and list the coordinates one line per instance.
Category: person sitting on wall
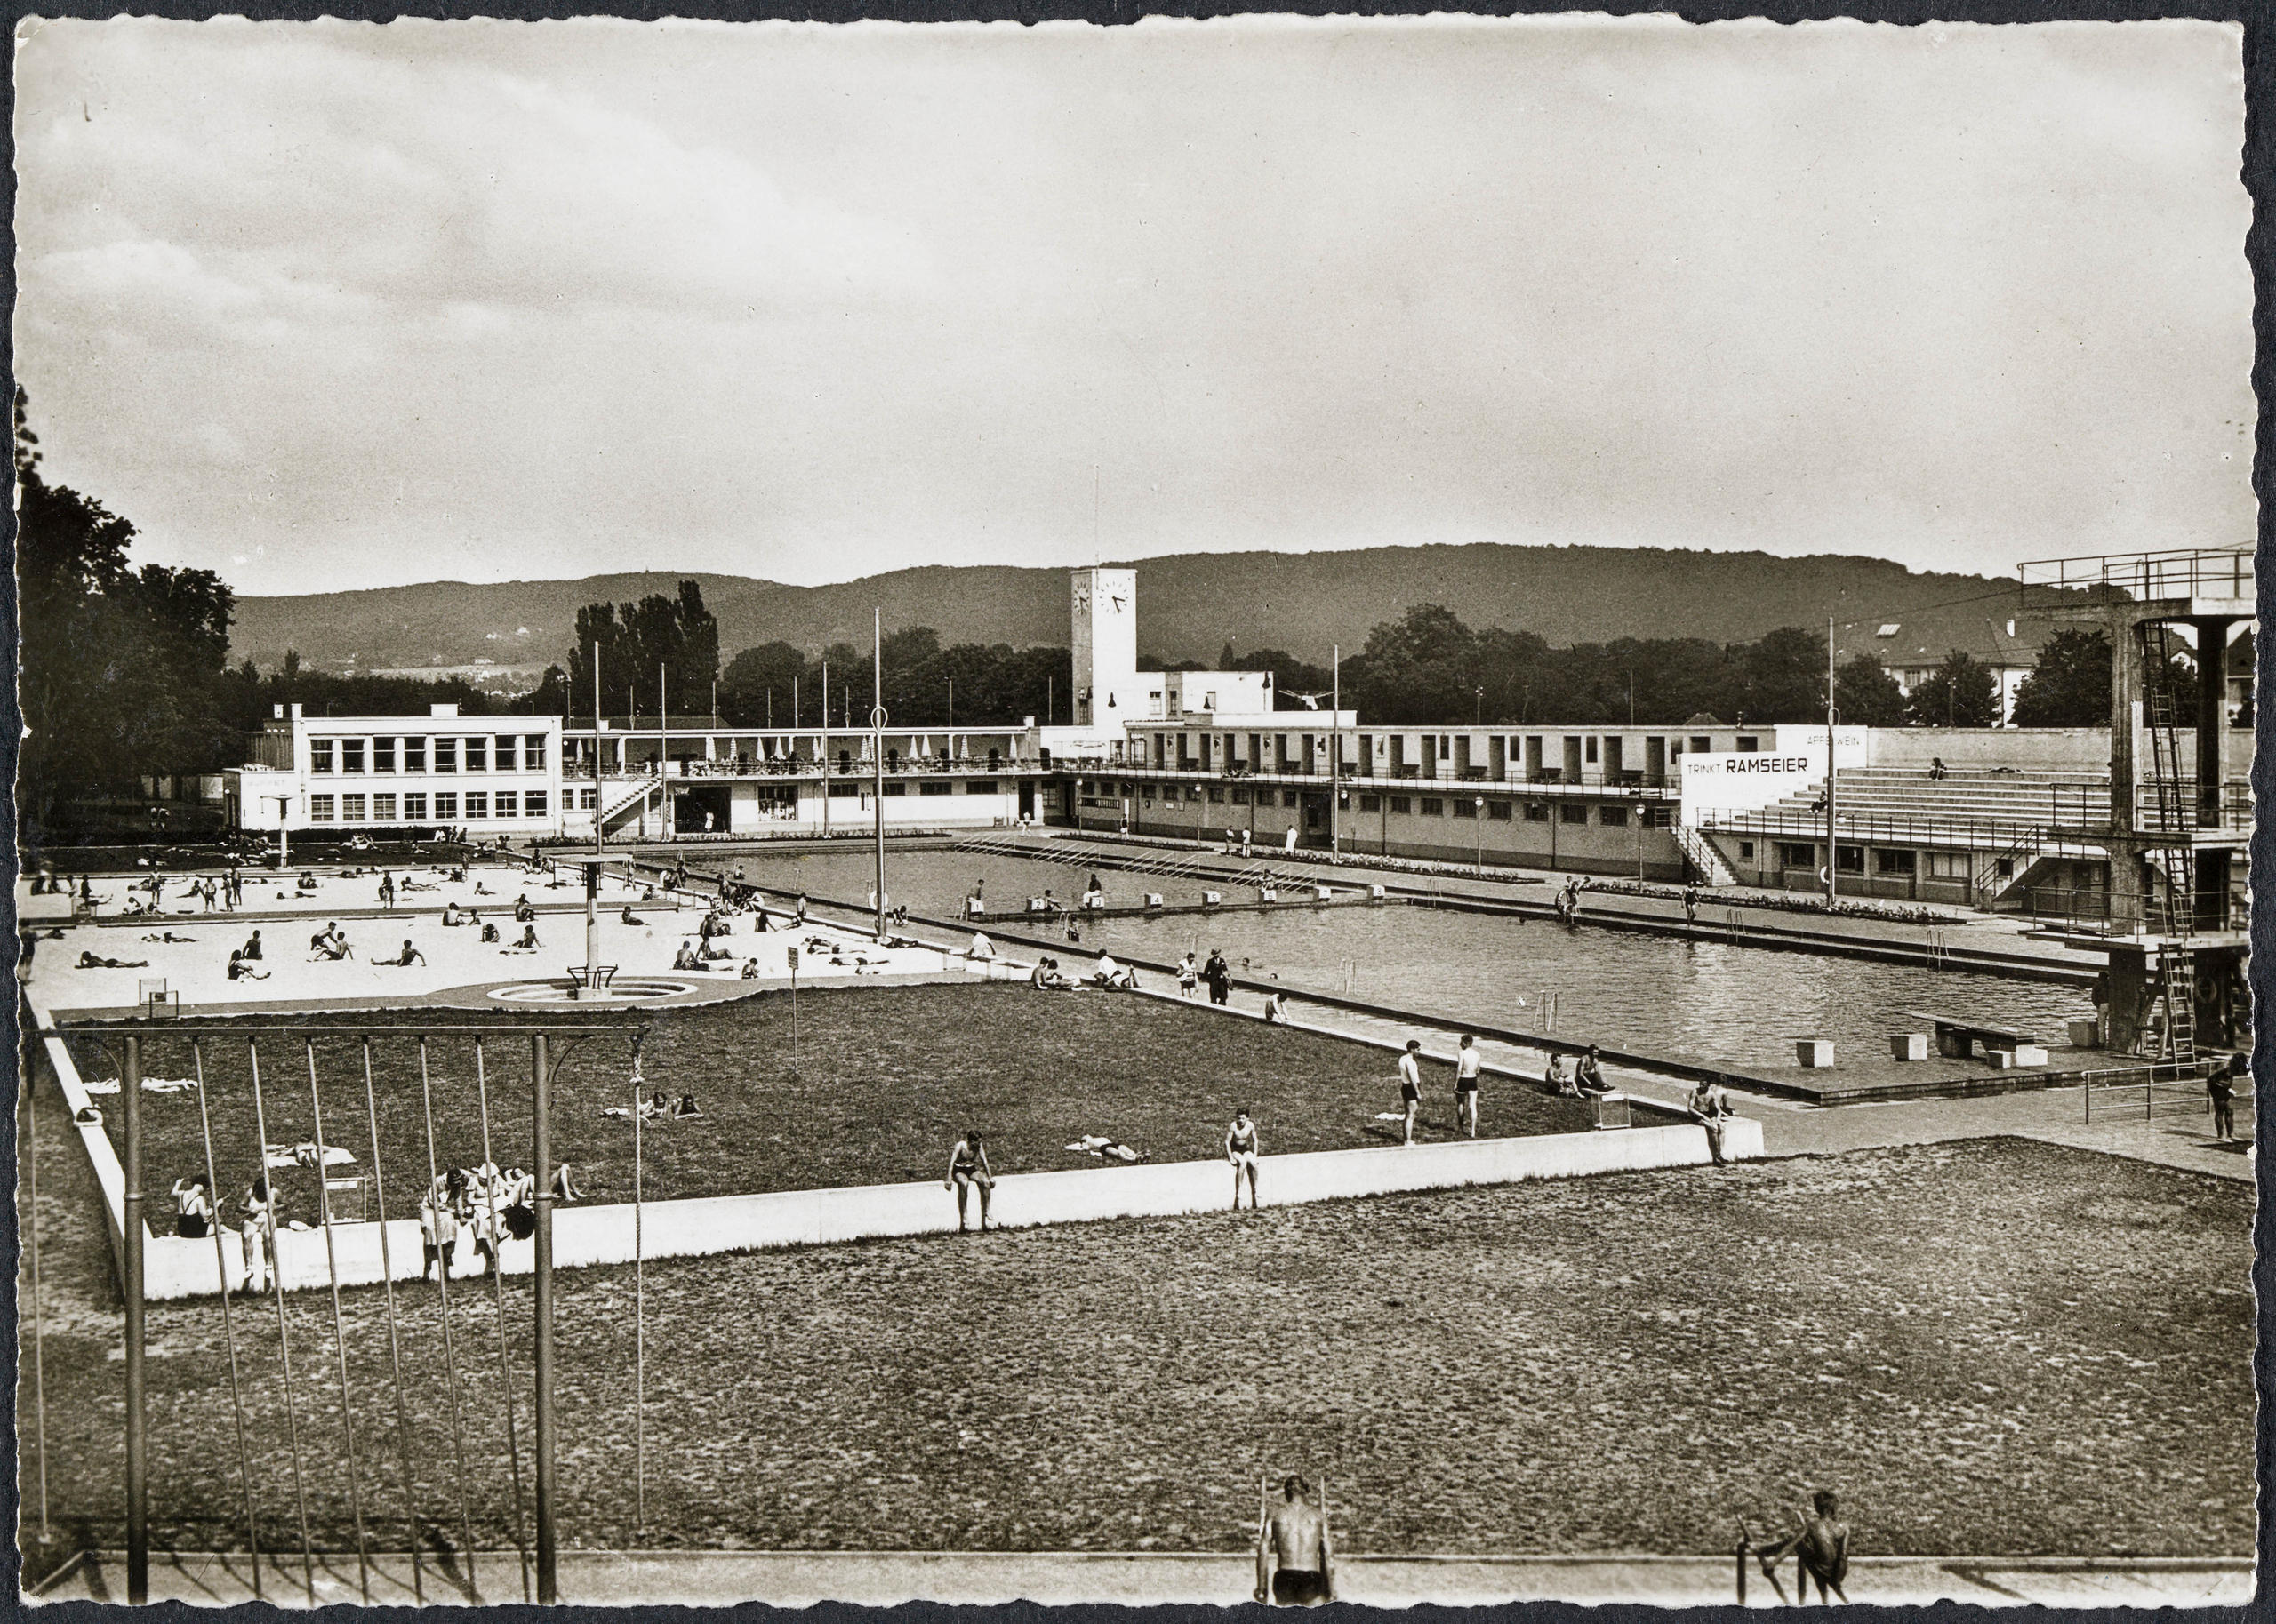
(1110, 975)
(1937, 768)
(1589, 1078)
(523, 912)
(1560, 1076)
(982, 948)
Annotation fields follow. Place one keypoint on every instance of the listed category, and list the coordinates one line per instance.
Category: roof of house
(1991, 632)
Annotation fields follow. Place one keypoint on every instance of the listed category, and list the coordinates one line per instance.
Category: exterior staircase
(1700, 854)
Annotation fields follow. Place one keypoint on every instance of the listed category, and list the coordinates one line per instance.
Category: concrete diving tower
(2177, 829)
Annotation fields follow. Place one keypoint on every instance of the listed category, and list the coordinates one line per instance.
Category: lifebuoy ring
(1823, 878)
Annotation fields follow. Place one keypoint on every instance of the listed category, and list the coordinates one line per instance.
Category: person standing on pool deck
(1187, 976)
(1410, 1083)
(1219, 975)
(1242, 1149)
(1293, 1538)
(967, 1169)
(1691, 905)
(2220, 1090)
(260, 1229)
(1468, 1062)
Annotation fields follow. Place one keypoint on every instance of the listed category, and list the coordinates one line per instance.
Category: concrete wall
(2030, 749)
(604, 1234)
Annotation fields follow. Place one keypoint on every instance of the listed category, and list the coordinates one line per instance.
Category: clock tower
(1104, 606)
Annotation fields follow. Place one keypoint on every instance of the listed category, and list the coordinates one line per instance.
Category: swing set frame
(545, 1062)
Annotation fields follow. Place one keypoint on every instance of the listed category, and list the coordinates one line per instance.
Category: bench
(1957, 1036)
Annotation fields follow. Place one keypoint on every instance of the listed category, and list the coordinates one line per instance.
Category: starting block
(2029, 1054)
(1321, 893)
(1813, 1054)
(1153, 899)
(1267, 894)
(1910, 1045)
(1211, 899)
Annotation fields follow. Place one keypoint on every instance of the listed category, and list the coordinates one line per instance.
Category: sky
(331, 305)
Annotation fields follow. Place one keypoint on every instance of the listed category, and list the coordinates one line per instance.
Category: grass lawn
(1993, 1347)
(888, 1077)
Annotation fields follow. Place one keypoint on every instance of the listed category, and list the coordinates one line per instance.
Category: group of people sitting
(1048, 977)
(494, 1204)
(692, 957)
(655, 1107)
(330, 945)
(1573, 1078)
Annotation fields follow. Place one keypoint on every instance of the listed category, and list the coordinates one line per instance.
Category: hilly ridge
(1189, 605)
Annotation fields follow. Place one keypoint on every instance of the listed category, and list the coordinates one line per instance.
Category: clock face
(1082, 598)
(1118, 601)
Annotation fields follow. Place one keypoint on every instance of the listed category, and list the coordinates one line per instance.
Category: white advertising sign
(1853, 744)
(1723, 781)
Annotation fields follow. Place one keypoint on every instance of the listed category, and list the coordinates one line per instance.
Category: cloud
(273, 171)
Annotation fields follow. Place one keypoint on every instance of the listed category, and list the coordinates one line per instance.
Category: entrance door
(1315, 809)
(1027, 798)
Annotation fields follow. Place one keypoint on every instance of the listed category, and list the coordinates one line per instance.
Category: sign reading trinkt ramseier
(1718, 782)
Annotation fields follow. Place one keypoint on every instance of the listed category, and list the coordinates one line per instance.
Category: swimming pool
(1741, 1006)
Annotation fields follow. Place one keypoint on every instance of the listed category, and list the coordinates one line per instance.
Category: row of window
(852, 788)
(1894, 861)
(490, 753)
(448, 806)
(1608, 814)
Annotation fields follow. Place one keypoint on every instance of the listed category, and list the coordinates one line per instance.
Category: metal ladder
(2174, 1038)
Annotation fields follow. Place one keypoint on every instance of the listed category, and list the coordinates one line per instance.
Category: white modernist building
(487, 775)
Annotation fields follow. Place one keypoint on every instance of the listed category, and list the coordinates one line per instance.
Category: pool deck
(461, 971)
(885, 1578)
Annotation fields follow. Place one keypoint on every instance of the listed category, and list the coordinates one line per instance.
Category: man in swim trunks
(1410, 1084)
(968, 1170)
(1820, 1547)
(1293, 1537)
(1468, 1062)
(1242, 1149)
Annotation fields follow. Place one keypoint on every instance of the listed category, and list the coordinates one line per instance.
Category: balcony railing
(2118, 578)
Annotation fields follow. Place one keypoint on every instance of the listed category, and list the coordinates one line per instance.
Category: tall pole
(823, 748)
(1833, 852)
(1336, 753)
(953, 708)
(138, 1474)
(541, 1089)
(592, 921)
(596, 748)
(878, 755)
(663, 751)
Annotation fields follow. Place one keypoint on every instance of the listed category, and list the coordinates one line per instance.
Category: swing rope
(450, 1357)
(498, 1293)
(228, 1321)
(639, 1314)
(284, 1340)
(39, 1319)
(339, 1335)
(395, 1341)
